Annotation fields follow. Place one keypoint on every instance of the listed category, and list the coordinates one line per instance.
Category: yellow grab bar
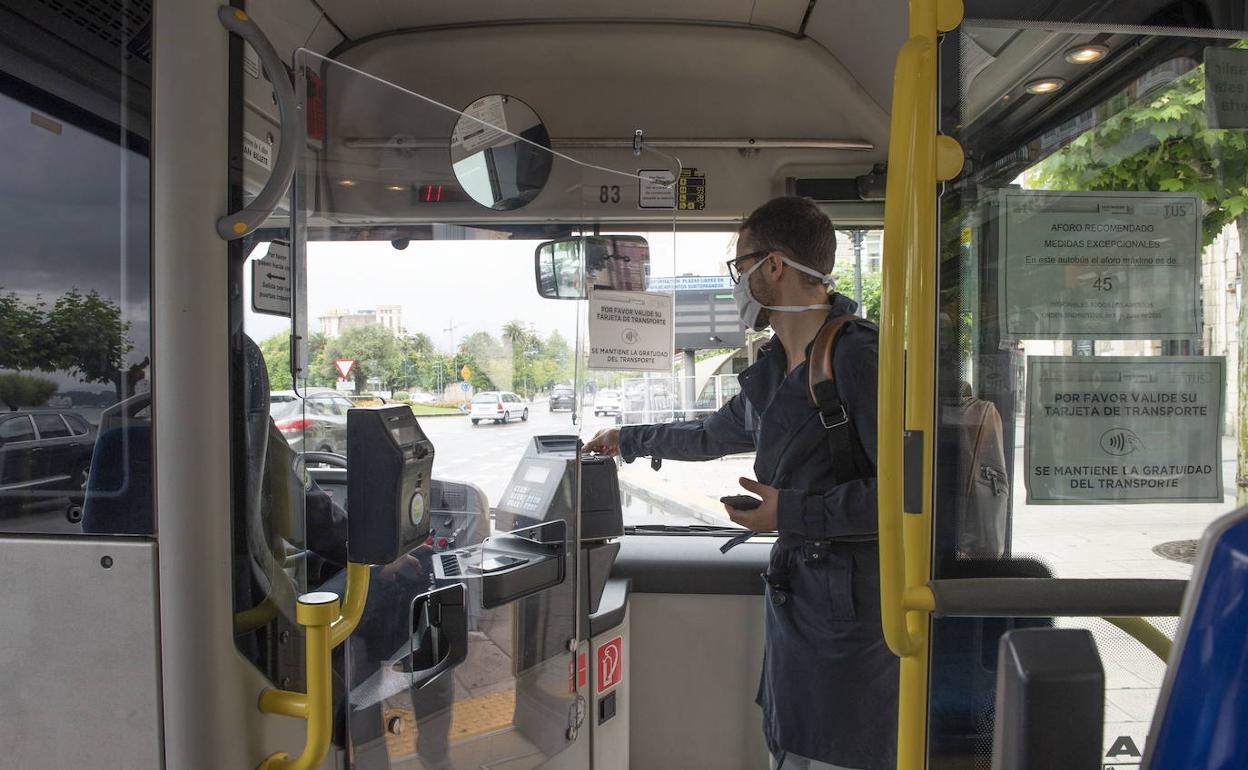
(327, 623)
(917, 160)
(1146, 634)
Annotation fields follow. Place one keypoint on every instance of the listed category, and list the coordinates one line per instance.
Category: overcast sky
(475, 285)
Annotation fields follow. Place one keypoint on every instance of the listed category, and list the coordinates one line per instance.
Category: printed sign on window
(1124, 429)
(630, 331)
(1081, 265)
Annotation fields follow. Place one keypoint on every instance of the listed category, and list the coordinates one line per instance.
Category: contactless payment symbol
(1120, 442)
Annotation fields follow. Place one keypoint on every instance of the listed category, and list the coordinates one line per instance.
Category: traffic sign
(344, 367)
(465, 373)
(464, 386)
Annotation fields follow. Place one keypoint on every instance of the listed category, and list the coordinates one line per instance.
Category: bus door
(1089, 392)
(439, 257)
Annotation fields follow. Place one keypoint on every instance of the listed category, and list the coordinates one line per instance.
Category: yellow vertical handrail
(918, 160)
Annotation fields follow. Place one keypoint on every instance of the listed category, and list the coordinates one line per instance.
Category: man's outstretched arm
(721, 433)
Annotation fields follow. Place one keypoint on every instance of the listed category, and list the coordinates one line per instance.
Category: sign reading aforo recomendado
(1114, 265)
(630, 331)
(1124, 429)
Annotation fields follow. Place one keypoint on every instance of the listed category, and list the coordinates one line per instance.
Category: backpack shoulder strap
(848, 456)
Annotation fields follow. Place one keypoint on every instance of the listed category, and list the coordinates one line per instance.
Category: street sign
(707, 319)
(688, 282)
(343, 365)
(465, 386)
(270, 281)
(465, 373)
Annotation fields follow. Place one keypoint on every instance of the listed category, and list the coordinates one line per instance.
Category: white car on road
(608, 402)
(499, 406)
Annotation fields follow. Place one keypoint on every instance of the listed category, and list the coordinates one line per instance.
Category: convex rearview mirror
(565, 268)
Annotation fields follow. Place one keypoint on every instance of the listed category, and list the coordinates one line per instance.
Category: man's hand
(764, 517)
(605, 442)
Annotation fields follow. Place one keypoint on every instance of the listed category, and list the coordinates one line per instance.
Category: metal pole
(691, 395)
(857, 236)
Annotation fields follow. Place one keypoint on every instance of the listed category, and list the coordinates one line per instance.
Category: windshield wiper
(682, 529)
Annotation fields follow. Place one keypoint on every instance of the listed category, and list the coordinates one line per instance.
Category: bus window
(75, 310)
(1091, 398)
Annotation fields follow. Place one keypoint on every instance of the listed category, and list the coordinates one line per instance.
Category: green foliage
(871, 284)
(276, 352)
(402, 395)
(23, 390)
(375, 351)
(1161, 143)
(82, 334)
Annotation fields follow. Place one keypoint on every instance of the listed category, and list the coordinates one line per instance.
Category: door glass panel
(415, 282)
(1090, 315)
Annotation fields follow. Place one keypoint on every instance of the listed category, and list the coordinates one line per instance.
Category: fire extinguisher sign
(610, 664)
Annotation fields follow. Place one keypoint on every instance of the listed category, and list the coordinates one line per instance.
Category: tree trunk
(1241, 373)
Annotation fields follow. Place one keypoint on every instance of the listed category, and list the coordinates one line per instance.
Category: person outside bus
(828, 689)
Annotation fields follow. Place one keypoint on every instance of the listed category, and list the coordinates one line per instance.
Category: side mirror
(567, 267)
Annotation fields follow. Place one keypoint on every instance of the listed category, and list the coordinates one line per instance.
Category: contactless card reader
(391, 469)
(544, 486)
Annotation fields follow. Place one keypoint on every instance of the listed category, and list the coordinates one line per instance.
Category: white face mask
(749, 308)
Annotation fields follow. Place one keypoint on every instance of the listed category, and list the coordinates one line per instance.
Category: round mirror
(495, 168)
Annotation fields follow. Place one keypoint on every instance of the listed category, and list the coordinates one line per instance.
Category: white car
(608, 402)
(499, 406)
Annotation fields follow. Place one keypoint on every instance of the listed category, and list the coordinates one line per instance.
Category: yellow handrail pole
(1146, 634)
(327, 623)
(353, 601)
(316, 612)
(898, 205)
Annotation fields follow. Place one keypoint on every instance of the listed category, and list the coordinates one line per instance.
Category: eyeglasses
(734, 271)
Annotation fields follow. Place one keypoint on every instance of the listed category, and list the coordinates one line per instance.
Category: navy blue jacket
(829, 682)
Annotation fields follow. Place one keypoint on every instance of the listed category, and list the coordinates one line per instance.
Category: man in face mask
(829, 683)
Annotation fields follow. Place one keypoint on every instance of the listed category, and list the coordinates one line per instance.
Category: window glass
(51, 426)
(75, 261)
(17, 429)
(485, 398)
(77, 424)
(1092, 394)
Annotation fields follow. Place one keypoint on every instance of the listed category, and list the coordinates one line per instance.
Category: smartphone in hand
(741, 502)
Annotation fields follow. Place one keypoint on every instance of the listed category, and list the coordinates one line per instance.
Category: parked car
(499, 406)
(608, 402)
(45, 455)
(316, 422)
(563, 397)
(422, 398)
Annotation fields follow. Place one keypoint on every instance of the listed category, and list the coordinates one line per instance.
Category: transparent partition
(1091, 411)
(414, 263)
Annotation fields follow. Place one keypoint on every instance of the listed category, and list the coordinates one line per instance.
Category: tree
(525, 347)
(23, 390)
(487, 361)
(276, 352)
(870, 292)
(374, 350)
(1164, 143)
(22, 342)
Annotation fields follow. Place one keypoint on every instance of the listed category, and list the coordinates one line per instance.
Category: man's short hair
(796, 227)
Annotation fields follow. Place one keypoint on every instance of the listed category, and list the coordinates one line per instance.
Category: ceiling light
(347, 182)
(1045, 86)
(1087, 53)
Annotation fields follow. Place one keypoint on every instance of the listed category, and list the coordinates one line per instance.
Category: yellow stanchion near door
(327, 623)
(918, 160)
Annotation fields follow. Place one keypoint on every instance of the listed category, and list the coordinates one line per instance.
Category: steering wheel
(332, 459)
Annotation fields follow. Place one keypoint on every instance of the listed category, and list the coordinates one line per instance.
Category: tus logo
(1120, 442)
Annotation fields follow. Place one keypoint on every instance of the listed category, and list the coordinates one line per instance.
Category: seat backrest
(118, 499)
(1200, 718)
